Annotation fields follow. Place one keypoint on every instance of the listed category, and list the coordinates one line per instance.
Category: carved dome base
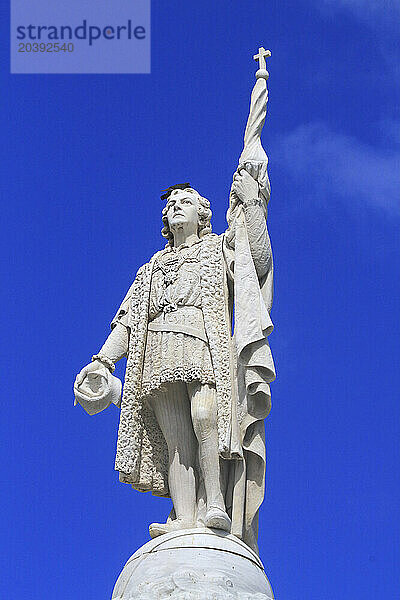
(193, 564)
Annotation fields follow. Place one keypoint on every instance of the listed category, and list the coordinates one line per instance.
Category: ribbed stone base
(193, 564)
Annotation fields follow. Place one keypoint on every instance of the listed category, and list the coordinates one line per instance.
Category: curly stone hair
(204, 212)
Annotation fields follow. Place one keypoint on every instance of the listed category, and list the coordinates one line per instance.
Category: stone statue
(195, 393)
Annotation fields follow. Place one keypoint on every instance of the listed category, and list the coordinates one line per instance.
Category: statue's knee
(204, 420)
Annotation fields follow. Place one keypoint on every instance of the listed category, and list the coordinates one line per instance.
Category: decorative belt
(169, 320)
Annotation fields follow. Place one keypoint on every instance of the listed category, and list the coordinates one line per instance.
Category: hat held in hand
(98, 390)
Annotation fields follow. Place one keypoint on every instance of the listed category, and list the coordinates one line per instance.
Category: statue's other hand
(96, 365)
(95, 388)
(244, 187)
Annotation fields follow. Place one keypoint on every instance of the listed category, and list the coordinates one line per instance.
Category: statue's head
(185, 207)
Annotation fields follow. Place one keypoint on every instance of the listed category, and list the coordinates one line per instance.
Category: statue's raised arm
(254, 159)
(250, 193)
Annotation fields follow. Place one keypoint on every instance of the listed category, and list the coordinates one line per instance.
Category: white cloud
(339, 165)
(381, 17)
(375, 12)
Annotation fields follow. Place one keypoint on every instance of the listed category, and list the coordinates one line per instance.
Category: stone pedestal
(193, 564)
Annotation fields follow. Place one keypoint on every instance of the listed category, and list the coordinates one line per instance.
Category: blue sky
(83, 160)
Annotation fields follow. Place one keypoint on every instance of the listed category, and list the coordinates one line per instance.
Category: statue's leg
(204, 416)
(172, 411)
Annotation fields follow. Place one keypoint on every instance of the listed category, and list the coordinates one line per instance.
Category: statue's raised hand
(244, 187)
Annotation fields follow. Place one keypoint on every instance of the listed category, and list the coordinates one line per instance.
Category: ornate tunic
(176, 346)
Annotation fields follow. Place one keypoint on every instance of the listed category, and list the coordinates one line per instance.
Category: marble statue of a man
(195, 393)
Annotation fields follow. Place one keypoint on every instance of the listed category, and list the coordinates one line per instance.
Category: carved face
(182, 210)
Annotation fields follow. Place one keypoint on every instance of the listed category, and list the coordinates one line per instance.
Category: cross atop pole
(262, 64)
(262, 54)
